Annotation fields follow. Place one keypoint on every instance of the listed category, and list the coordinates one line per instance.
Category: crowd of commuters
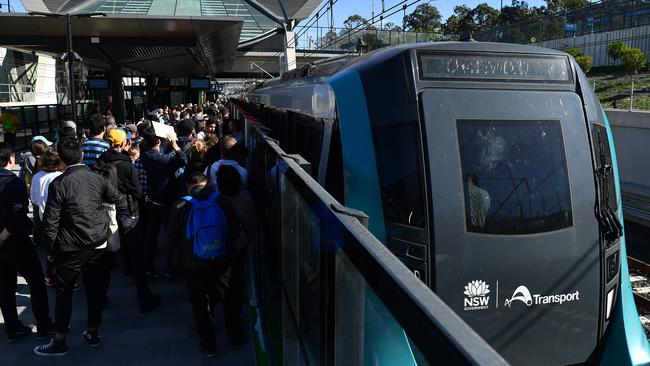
(173, 204)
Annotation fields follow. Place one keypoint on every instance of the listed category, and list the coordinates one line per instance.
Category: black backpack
(108, 171)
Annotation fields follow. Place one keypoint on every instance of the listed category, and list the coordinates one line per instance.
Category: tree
(517, 12)
(615, 50)
(424, 19)
(485, 17)
(390, 26)
(560, 6)
(633, 60)
(354, 21)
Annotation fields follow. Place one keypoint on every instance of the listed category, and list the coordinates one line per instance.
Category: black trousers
(94, 265)
(153, 218)
(18, 255)
(135, 250)
(200, 285)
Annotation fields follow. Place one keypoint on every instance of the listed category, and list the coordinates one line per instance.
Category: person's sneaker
(91, 338)
(208, 352)
(152, 304)
(50, 283)
(45, 332)
(239, 341)
(153, 275)
(76, 287)
(21, 333)
(52, 349)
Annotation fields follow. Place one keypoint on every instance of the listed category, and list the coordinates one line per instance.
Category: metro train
(489, 170)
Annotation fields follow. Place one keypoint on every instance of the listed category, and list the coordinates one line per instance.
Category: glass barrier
(39, 120)
(328, 292)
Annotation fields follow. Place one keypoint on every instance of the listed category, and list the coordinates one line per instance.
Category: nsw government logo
(476, 293)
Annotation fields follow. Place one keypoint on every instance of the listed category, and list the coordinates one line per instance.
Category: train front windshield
(515, 240)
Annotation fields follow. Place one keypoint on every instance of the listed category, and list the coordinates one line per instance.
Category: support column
(117, 92)
(289, 51)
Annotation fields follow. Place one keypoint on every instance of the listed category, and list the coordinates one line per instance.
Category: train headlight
(610, 302)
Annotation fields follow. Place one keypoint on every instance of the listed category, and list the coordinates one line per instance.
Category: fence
(327, 291)
(344, 39)
(40, 120)
(589, 28)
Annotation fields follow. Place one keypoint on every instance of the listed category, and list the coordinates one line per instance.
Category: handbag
(113, 244)
(129, 222)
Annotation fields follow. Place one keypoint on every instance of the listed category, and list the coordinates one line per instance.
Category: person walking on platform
(202, 264)
(76, 229)
(160, 169)
(95, 145)
(229, 150)
(18, 255)
(130, 229)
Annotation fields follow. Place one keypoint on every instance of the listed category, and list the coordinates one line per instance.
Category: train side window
(515, 177)
(399, 163)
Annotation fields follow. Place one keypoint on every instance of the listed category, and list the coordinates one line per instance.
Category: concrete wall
(631, 132)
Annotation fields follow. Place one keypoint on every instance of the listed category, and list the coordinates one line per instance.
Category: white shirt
(40, 184)
(211, 172)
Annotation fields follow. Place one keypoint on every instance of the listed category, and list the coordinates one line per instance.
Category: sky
(345, 8)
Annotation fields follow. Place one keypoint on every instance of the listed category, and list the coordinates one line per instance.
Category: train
(489, 170)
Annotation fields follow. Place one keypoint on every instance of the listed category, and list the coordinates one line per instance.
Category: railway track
(640, 281)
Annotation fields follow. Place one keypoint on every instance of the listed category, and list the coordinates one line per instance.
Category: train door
(516, 241)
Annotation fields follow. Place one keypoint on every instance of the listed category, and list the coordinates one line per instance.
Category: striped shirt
(93, 148)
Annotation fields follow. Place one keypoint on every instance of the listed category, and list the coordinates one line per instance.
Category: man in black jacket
(133, 239)
(17, 254)
(76, 230)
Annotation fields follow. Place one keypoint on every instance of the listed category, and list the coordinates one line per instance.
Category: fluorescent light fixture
(610, 302)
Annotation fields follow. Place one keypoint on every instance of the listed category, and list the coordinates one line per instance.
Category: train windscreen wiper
(608, 221)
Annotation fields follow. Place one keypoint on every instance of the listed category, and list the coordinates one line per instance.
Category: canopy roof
(259, 16)
(169, 47)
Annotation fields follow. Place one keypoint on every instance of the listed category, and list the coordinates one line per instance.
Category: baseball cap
(42, 139)
(116, 136)
(132, 128)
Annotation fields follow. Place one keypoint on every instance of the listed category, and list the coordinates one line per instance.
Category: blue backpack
(206, 227)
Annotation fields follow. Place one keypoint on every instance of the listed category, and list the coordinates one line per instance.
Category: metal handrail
(438, 332)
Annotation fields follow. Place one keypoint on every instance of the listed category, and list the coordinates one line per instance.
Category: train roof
(331, 66)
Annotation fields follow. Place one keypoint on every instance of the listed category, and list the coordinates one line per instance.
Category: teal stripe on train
(626, 337)
(359, 165)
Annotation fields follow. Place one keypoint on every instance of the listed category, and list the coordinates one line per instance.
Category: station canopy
(169, 38)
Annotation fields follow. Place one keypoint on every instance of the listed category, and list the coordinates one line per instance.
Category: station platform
(166, 336)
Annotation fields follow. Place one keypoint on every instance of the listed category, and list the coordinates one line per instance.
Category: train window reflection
(399, 165)
(515, 176)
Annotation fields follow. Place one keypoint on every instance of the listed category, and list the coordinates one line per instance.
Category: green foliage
(425, 18)
(575, 52)
(390, 26)
(517, 12)
(585, 62)
(354, 21)
(559, 6)
(465, 19)
(633, 60)
(615, 50)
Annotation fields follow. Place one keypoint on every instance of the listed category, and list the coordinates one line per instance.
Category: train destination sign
(478, 66)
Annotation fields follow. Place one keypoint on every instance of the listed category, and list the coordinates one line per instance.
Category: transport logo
(522, 294)
(476, 295)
